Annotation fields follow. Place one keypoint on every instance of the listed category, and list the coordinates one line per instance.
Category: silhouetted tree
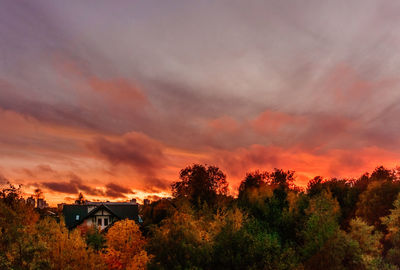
(81, 199)
(200, 184)
(253, 180)
(38, 194)
(281, 178)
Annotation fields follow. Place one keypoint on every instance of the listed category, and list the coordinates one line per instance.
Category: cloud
(155, 184)
(73, 186)
(76, 185)
(121, 90)
(79, 184)
(134, 149)
(117, 191)
(306, 86)
(62, 187)
(274, 122)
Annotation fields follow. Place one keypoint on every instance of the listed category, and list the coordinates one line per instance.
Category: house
(99, 214)
(41, 203)
(31, 201)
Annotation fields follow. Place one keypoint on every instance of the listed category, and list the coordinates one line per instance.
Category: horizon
(114, 101)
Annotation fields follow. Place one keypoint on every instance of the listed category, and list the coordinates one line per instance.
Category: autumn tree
(392, 224)
(368, 239)
(125, 246)
(16, 222)
(191, 238)
(63, 249)
(188, 241)
(376, 201)
(342, 190)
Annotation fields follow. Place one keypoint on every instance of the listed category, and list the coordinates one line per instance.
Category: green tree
(95, 239)
(321, 224)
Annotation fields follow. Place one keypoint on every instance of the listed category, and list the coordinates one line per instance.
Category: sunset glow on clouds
(114, 99)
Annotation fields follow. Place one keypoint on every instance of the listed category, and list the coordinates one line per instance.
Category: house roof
(119, 210)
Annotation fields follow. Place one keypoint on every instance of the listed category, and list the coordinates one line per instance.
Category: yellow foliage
(64, 249)
(125, 246)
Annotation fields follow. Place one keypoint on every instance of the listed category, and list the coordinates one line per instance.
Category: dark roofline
(91, 213)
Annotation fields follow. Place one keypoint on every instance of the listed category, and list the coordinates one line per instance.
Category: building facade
(99, 214)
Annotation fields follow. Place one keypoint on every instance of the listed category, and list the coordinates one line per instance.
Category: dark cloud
(73, 186)
(155, 184)
(134, 149)
(118, 188)
(76, 184)
(62, 187)
(116, 191)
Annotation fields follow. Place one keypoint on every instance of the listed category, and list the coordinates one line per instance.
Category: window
(99, 222)
(106, 222)
(77, 217)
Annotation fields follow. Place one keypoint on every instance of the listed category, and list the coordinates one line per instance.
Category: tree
(366, 236)
(38, 194)
(392, 223)
(188, 240)
(281, 178)
(383, 174)
(200, 184)
(125, 246)
(63, 249)
(16, 229)
(342, 191)
(252, 181)
(376, 202)
(325, 245)
(321, 225)
(251, 246)
(81, 199)
(155, 212)
(315, 186)
(95, 239)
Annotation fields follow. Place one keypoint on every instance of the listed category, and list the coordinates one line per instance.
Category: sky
(113, 99)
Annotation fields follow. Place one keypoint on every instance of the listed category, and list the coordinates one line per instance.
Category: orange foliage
(125, 246)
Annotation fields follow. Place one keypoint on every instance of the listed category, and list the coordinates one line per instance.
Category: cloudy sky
(114, 98)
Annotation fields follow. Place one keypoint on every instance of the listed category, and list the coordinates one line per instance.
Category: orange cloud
(121, 90)
(271, 122)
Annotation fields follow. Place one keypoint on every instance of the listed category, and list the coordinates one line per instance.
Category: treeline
(272, 224)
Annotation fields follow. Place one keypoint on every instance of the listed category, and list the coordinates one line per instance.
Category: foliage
(200, 184)
(95, 239)
(392, 223)
(376, 201)
(125, 246)
(321, 224)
